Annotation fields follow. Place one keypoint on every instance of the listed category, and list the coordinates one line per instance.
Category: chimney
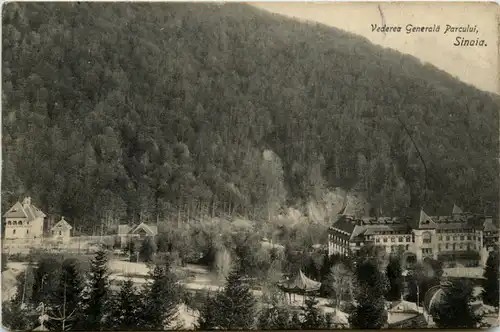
(27, 201)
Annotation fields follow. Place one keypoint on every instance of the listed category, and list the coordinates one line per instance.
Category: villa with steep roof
(24, 221)
(126, 233)
(458, 236)
(61, 231)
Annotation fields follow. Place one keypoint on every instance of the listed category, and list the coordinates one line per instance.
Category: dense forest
(138, 111)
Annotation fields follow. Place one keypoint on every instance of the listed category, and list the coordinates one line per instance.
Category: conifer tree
(491, 282)
(96, 294)
(126, 306)
(455, 310)
(371, 285)
(161, 298)
(209, 315)
(235, 304)
(313, 318)
(17, 316)
(64, 303)
(394, 276)
(275, 314)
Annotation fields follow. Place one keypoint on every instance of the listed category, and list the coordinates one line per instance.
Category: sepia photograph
(249, 166)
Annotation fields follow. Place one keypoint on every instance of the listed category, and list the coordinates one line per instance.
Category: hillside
(127, 111)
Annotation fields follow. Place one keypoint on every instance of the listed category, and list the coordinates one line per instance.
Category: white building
(458, 236)
(24, 221)
(61, 231)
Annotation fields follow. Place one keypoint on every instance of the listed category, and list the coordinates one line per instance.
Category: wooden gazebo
(299, 284)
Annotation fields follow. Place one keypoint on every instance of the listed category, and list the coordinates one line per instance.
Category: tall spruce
(64, 303)
(312, 317)
(394, 276)
(275, 315)
(162, 296)
(490, 292)
(235, 304)
(369, 308)
(126, 305)
(454, 310)
(96, 294)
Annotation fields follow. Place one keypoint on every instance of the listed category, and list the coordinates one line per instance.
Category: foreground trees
(233, 308)
(454, 310)
(491, 293)
(371, 286)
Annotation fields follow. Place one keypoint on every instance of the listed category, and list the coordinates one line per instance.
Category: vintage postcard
(263, 165)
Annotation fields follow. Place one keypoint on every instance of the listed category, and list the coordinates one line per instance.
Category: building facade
(61, 231)
(456, 236)
(24, 221)
(127, 233)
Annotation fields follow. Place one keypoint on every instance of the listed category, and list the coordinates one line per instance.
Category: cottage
(126, 233)
(61, 231)
(24, 221)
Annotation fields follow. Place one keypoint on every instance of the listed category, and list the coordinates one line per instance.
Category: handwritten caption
(464, 34)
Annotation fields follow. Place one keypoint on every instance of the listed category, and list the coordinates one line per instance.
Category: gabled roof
(24, 210)
(457, 210)
(150, 229)
(489, 226)
(16, 211)
(62, 224)
(425, 222)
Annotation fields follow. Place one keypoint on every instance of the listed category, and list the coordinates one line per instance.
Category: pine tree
(147, 250)
(394, 277)
(162, 296)
(490, 292)
(96, 294)
(65, 301)
(275, 315)
(17, 317)
(125, 308)
(371, 285)
(312, 316)
(235, 304)
(209, 315)
(454, 310)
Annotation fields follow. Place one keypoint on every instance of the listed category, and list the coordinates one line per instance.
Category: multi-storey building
(23, 221)
(456, 236)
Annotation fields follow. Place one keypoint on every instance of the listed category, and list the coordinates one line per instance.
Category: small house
(127, 233)
(61, 231)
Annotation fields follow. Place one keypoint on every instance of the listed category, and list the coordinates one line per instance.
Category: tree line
(121, 112)
(77, 298)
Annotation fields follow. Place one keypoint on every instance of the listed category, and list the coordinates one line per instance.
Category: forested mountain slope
(131, 110)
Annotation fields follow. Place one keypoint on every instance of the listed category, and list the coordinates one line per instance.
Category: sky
(474, 65)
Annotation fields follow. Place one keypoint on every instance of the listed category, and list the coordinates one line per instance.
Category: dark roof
(425, 222)
(300, 283)
(345, 224)
(26, 210)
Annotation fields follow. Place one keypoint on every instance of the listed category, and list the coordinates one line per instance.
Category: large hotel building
(458, 236)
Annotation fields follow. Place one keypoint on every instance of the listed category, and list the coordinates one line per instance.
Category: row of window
(455, 238)
(393, 239)
(14, 223)
(460, 246)
(14, 231)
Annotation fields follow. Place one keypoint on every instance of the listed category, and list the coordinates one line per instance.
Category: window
(13, 231)
(427, 237)
(61, 233)
(377, 240)
(400, 239)
(447, 238)
(447, 246)
(385, 240)
(27, 231)
(461, 246)
(469, 237)
(408, 239)
(462, 238)
(9, 222)
(393, 239)
(455, 238)
(407, 247)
